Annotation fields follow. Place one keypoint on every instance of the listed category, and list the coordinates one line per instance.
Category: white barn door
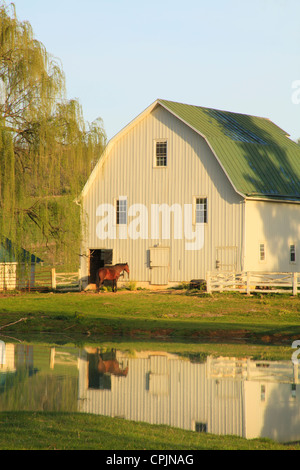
(227, 258)
(159, 265)
(8, 276)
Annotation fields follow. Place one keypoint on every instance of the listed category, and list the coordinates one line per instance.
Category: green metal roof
(10, 254)
(257, 156)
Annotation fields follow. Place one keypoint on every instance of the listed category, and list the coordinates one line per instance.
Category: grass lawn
(56, 431)
(136, 313)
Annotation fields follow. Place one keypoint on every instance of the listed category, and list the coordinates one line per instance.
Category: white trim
(282, 201)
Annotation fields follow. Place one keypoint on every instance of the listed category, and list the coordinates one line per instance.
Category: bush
(131, 285)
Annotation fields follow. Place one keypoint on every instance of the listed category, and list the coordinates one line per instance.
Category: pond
(205, 394)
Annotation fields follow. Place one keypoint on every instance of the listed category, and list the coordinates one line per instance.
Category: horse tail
(97, 279)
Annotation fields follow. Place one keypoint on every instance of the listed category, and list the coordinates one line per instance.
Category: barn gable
(258, 158)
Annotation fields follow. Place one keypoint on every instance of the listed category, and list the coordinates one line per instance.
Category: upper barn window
(161, 153)
(201, 210)
(121, 211)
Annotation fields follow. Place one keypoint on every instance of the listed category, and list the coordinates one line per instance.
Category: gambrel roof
(258, 157)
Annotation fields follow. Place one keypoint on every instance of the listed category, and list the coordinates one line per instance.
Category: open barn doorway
(98, 259)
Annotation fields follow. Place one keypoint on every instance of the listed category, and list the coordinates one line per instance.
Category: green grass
(145, 315)
(56, 431)
(261, 326)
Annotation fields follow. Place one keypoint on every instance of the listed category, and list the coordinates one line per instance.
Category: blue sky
(121, 55)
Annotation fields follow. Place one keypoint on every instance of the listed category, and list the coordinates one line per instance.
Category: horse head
(126, 268)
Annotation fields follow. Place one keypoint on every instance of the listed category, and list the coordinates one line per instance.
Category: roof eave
(281, 199)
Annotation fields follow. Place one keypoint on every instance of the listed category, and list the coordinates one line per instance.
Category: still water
(219, 395)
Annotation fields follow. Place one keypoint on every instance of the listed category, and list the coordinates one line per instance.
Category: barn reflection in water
(219, 395)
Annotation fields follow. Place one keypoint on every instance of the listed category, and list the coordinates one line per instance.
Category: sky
(119, 56)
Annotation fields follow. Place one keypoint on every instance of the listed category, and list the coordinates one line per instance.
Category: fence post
(295, 282)
(53, 279)
(79, 280)
(248, 283)
(208, 284)
(234, 280)
(52, 358)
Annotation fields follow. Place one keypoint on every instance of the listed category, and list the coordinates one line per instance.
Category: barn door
(226, 258)
(159, 265)
(8, 276)
(98, 259)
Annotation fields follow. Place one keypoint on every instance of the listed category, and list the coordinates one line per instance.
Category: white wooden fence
(268, 371)
(66, 281)
(251, 281)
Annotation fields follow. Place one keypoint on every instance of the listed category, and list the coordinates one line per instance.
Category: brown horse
(111, 273)
(112, 367)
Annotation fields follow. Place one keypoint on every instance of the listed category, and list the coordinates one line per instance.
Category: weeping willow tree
(46, 149)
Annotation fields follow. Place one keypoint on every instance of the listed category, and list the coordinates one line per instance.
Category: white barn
(183, 190)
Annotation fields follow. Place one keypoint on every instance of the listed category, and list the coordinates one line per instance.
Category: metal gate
(159, 265)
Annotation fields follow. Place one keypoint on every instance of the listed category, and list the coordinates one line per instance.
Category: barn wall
(192, 171)
(276, 225)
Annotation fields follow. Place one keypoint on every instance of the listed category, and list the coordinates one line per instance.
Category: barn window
(201, 210)
(161, 150)
(121, 211)
(262, 252)
(292, 253)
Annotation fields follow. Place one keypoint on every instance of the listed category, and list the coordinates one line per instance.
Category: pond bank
(147, 315)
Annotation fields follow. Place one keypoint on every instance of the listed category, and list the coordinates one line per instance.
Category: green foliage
(47, 150)
(131, 285)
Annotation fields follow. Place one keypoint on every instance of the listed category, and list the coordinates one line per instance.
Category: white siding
(277, 226)
(192, 170)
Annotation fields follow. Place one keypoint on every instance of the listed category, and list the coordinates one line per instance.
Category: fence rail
(65, 281)
(37, 278)
(252, 281)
